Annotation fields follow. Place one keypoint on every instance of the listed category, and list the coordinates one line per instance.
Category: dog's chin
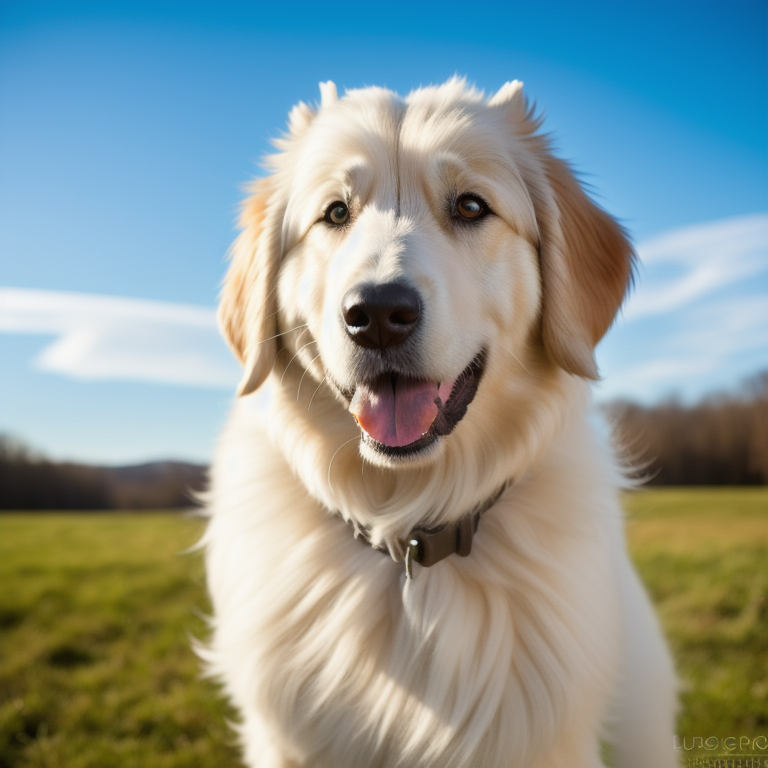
(388, 447)
(423, 451)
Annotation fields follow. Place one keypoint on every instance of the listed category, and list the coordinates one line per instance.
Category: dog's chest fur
(356, 666)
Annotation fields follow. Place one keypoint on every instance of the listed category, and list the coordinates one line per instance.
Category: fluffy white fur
(542, 642)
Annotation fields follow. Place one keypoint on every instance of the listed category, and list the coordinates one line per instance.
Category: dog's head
(407, 254)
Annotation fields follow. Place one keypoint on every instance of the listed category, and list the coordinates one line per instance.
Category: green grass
(704, 556)
(96, 668)
(96, 611)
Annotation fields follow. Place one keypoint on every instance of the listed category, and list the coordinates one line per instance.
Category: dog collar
(429, 545)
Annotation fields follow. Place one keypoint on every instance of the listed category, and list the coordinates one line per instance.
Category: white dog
(415, 548)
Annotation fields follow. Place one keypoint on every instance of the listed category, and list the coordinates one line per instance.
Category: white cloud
(114, 338)
(688, 264)
(651, 376)
(711, 348)
(698, 321)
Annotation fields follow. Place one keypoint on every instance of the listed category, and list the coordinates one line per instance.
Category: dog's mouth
(399, 415)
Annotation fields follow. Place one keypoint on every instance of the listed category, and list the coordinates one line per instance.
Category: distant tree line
(30, 481)
(723, 440)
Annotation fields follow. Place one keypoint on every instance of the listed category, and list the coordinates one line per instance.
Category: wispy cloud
(688, 264)
(699, 318)
(115, 338)
(709, 348)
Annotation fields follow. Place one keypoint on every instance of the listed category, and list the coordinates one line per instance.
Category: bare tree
(723, 440)
(29, 481)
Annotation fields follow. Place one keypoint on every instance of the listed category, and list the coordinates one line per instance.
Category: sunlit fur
(541, 642)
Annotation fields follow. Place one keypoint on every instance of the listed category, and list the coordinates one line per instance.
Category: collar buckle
(429, 546)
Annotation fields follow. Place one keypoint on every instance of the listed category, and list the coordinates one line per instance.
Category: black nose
(380, 316)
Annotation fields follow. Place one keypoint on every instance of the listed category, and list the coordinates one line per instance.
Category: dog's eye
(470, 207)
(337, 213)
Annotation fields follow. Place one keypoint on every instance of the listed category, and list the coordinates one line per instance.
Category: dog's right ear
(248, 305)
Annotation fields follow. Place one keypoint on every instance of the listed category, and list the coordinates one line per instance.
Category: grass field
(704, 556)
(96, 611)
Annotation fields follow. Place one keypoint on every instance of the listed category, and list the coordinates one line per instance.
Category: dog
(415, 548)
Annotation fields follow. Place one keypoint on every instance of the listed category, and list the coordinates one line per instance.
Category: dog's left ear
(586, 269)
(586, 259)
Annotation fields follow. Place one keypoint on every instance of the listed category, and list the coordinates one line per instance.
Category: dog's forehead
(351, 135)
(372, 122)
(438, 118)
(374, 147)
(453, 136)
(366, 117)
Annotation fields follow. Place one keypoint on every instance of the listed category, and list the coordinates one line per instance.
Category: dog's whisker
(330, 463)
(316, 390)
(269, 295)
(290, 362)
(299, 337)
(508, 351)
(276, 312)
(519, 361)
(306, 371)
(282, 333)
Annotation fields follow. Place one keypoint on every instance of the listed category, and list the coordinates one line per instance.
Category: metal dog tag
(411, 555)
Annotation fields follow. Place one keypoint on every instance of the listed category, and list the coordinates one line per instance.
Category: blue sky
(128, 129)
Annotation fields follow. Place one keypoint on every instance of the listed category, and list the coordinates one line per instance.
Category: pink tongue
(399, 413)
